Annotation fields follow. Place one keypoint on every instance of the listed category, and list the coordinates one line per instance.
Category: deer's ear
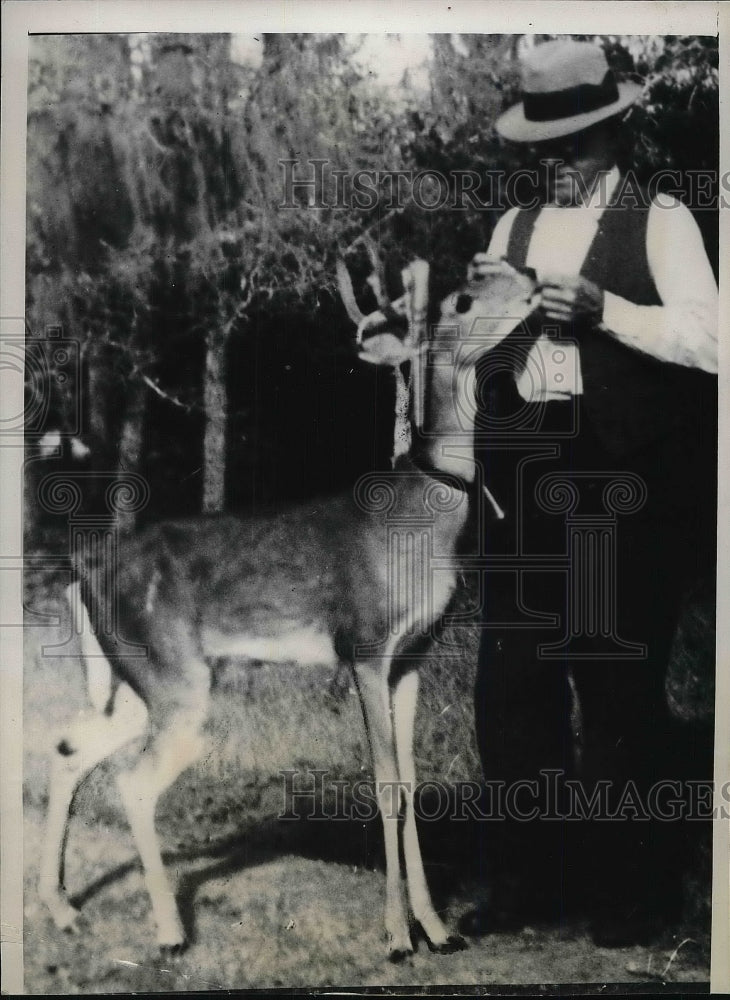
(385, 349)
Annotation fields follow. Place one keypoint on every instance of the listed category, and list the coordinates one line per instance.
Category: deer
(353, 591)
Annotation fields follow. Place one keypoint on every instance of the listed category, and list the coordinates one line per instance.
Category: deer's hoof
(65, 916)
(173, 950)
(70, 927)
(70, 923)
(454, 942)
(398, 955)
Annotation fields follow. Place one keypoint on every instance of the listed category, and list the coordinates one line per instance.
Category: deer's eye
(463, 303)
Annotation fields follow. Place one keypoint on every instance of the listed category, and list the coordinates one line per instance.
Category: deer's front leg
(372, 684)
(405, 700)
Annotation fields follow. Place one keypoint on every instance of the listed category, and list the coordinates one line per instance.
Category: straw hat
(567, 86)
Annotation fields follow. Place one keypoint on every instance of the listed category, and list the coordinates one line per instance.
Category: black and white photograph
(362, 622)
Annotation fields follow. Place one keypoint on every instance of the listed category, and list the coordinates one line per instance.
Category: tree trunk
(98, 381)
(216, 413)
(130, 450)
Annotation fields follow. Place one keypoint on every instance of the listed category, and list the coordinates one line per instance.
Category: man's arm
(684, 328)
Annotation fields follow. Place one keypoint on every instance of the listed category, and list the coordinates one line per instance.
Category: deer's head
(494, 299)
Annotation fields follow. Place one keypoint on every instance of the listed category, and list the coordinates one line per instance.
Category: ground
(270, 902)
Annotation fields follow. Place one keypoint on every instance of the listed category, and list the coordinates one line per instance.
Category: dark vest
(631, 398)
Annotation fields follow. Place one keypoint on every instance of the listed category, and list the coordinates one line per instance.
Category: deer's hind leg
(92, 738)
(114, 717)
(175, 742)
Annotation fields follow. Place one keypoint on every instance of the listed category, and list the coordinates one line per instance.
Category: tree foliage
(156, 226)
(153, 204)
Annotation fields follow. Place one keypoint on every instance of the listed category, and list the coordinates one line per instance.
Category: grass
(270, 903)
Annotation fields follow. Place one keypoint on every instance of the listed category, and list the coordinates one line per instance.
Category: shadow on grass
(453, 852)
(450, 851)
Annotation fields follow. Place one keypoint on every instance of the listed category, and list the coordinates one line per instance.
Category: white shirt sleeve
(684, 328)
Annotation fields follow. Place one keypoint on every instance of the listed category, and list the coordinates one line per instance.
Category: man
(597, 440)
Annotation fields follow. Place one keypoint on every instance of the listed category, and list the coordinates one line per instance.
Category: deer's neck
(426, 495)
(445, 442)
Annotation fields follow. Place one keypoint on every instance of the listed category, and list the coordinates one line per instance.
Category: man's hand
(571, 299)
(480, 266)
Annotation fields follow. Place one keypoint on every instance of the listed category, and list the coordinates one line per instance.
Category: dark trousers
(592, 709)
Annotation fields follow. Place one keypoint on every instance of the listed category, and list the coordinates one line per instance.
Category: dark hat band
(580, 100)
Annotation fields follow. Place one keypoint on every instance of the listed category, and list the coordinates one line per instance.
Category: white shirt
(683, 329)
